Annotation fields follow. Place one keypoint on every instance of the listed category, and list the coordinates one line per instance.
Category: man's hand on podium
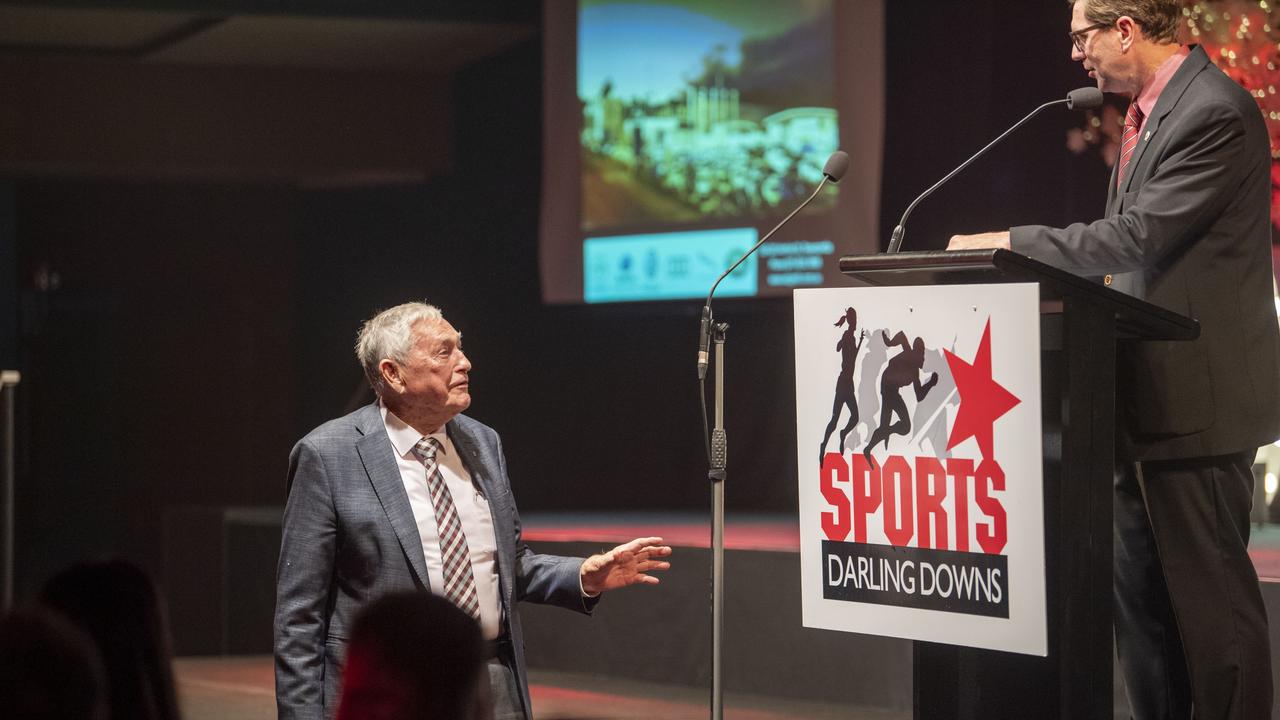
(980, 241)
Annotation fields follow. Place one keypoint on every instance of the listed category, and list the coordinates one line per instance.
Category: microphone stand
(711, 332)
(716, 474)
(8, 381)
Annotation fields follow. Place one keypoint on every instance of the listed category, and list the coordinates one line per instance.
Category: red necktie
(1129, 140)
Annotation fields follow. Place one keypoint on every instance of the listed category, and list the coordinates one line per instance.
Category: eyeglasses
(1077, 36)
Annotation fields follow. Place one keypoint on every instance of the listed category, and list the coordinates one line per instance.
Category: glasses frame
(1077, 36)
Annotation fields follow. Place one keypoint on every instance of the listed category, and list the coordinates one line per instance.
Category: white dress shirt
(473, 513)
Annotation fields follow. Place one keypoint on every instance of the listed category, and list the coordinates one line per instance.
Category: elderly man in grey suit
(409, 493)
(1187, 227)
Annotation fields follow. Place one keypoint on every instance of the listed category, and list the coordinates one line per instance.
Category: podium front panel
(920, 464)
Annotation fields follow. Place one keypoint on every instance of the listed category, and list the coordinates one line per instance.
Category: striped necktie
(1129, 140)
(459, 583)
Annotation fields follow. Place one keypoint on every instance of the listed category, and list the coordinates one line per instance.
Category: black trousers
(1191, 628)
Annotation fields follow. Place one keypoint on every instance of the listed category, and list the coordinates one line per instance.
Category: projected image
(698, 110)
(678, 133)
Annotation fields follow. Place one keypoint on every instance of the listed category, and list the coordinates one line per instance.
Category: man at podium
(1187, 227)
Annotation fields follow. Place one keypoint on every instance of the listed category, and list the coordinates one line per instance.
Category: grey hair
(389, 335)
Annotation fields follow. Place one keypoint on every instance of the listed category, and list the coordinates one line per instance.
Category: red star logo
(982, 399)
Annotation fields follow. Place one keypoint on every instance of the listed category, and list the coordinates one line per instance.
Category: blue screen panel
(668, 266)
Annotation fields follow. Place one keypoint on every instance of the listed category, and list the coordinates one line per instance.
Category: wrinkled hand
(980, 241)
(627, 564)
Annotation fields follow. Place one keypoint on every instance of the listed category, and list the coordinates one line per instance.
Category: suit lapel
(1112, 194)
(1169, 98)
(470, 451)
(379, 460)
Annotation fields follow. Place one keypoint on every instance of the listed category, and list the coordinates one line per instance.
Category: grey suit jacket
(1190, 231)
(350, 536)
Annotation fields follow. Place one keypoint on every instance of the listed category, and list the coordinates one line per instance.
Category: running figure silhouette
(848, 346)
(902, 370)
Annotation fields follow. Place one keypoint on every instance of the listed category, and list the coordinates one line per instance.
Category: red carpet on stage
(775, 533)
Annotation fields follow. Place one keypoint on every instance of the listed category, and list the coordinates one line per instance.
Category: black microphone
(832, 171)
(836, 166)
(1083, 98)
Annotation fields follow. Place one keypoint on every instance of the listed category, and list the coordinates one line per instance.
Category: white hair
(389, 335)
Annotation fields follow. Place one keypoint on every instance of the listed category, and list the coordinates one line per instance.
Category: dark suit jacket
(350, 536)
(1190, 231)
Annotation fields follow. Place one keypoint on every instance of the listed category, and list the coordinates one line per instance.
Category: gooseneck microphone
(1085, 98)
(834, 169)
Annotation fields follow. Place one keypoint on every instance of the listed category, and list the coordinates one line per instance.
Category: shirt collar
(1151, 93)
(404, 438)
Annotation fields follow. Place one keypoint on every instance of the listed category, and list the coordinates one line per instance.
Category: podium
(1083, 326)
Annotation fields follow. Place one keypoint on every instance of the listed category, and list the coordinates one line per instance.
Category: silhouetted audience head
(49, 670)
(118, 606)
(415, 656)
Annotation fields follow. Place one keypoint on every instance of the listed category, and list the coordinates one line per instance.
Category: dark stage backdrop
(210, 325)
(598, 405)
(157, 322)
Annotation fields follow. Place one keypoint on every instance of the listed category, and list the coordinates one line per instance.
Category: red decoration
(982, 399)
(1243, 38)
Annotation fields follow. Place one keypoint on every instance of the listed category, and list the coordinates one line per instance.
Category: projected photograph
(698, 110)
(677, 133)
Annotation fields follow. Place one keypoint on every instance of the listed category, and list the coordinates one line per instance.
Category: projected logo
(697, 110)
(930, 498)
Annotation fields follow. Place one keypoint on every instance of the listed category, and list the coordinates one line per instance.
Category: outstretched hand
(627, 564)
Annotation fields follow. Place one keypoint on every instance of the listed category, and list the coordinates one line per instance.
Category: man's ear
(391, 375)
(1129, 31)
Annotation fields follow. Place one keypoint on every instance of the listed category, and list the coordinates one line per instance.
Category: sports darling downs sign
(920, 476)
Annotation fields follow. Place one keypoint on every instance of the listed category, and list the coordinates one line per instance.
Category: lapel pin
(1147, 136)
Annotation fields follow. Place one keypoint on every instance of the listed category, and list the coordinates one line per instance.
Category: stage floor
(242, 688)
